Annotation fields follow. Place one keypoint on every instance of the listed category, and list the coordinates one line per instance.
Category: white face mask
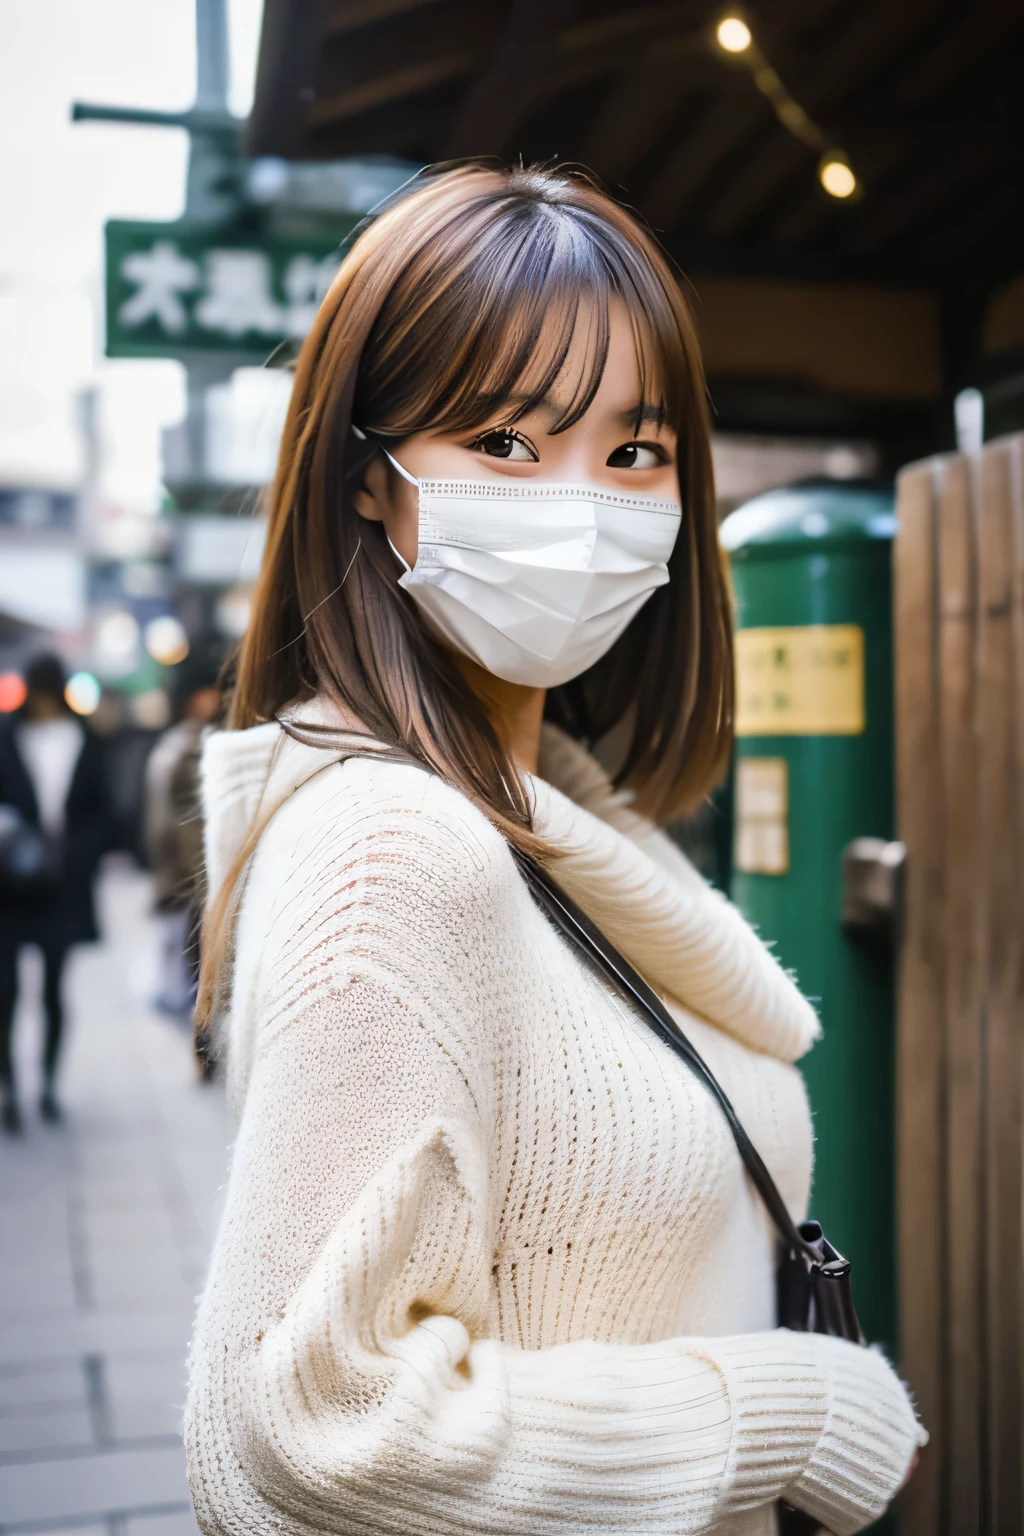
(536, 582)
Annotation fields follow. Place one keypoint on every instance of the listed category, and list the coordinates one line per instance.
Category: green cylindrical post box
(814, 771)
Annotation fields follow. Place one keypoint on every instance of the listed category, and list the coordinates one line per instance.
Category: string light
(836, 175)
(733, 34)
(735, 38)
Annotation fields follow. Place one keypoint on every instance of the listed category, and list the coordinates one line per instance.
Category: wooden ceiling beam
(510, 82)
(618, 27)
(639, 110)
(587, 50)
(354, 14)
(404, 129)
(755, 184)
(724, 258)
(724, 126)
(921, 197)
(648, 96)
(820, 80)
(395, 86)
(977, 29)
(573, 54)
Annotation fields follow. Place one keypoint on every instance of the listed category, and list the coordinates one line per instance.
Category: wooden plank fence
(959, 624)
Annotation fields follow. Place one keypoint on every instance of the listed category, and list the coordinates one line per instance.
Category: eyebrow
(642, 415)
(633, 418)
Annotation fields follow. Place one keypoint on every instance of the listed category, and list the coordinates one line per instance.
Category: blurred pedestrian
(174, 843)
(54, 795)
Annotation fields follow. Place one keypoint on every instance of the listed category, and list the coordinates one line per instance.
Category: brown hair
(458, 298)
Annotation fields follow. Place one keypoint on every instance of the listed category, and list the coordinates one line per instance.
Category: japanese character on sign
(238, 295)
(161, 276)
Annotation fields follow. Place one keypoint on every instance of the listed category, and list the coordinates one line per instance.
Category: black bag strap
(588, 938)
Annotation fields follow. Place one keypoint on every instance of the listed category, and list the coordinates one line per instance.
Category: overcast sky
(58, 184)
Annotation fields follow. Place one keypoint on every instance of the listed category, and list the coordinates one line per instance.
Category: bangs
(520, 319)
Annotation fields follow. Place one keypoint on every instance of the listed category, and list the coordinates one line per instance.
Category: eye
(637, 456)
(504, 443)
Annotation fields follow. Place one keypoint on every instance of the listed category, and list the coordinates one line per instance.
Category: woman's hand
(910, 1472)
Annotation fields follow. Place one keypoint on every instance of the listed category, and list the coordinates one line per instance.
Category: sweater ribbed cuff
(865, 1448)
(778, 1398)
(825, 1424)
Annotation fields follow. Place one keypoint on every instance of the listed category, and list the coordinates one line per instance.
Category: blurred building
(43, 576)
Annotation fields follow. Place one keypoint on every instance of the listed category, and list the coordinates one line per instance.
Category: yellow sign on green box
(804, 680)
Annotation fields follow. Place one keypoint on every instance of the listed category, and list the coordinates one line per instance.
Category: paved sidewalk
(105, 1227)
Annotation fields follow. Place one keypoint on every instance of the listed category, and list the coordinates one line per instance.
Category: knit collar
(683, 936)
(686, 939)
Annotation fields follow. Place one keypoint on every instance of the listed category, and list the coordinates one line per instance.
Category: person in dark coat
(174, 843)
(52, 780)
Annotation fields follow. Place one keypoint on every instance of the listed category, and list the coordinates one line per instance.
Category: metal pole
(212, 194)
(212, 54)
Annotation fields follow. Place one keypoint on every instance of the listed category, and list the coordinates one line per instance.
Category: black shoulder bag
(813, 1280)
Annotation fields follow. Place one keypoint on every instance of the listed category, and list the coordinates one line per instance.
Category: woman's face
(602, 449)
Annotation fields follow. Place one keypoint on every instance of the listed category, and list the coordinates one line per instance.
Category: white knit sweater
(490, 1261)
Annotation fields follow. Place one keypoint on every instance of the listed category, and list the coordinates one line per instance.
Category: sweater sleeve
(348, 1365)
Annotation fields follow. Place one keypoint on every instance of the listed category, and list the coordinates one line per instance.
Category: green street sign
(174, 290)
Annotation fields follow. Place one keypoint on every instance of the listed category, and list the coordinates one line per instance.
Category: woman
(52, 779)
(490, 1261)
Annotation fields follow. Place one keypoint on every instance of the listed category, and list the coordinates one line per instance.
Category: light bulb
(82, 693)
(733, 34)
(116, 643)
(836, 177)
(13, 692)
(166, 640)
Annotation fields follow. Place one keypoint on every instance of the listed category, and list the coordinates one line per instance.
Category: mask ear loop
(357, 432)
(403, 472)
(406, 567)
(361, 436)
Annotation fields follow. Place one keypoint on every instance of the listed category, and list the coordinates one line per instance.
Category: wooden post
(1003, 770)
(965, 991)
(920, 1043)
(959, 620)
